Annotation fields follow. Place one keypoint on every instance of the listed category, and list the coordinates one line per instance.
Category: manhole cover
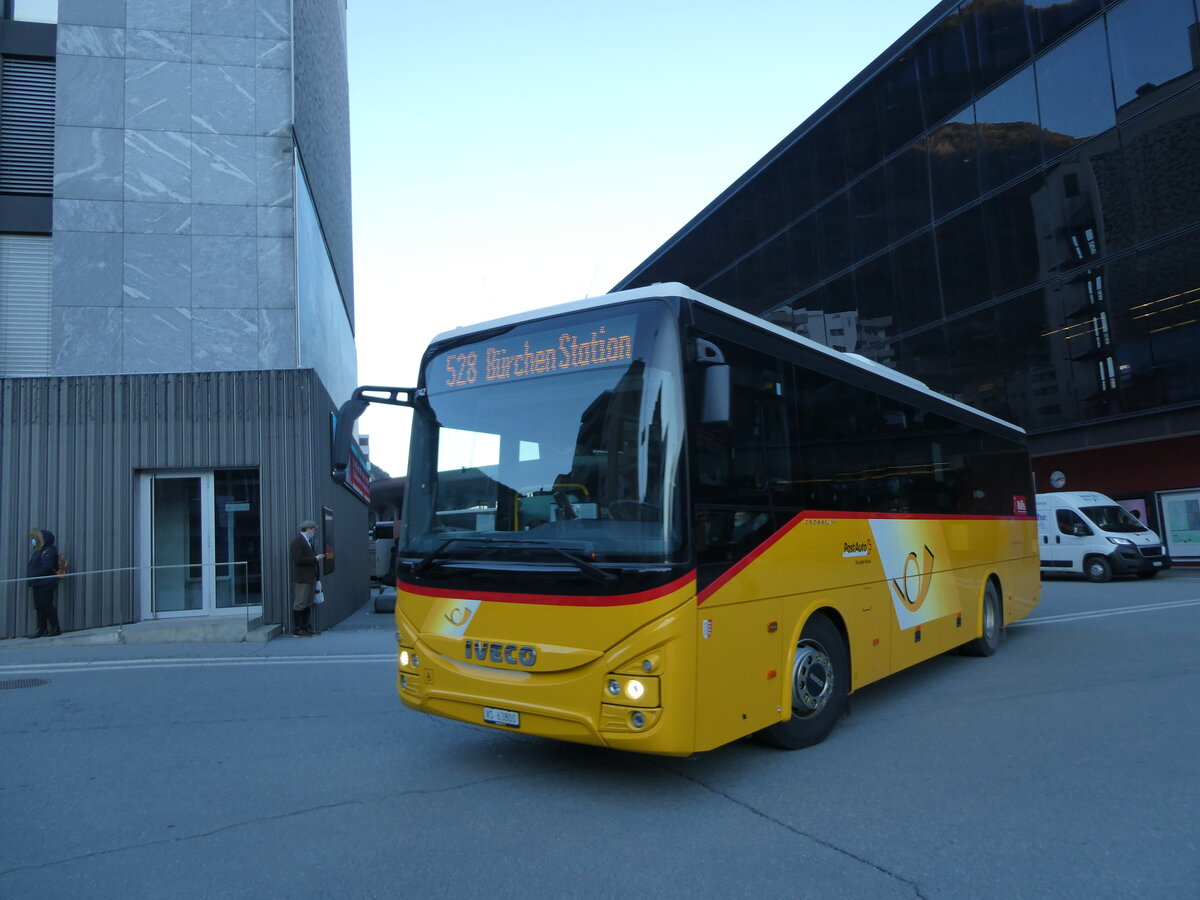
(22, 683)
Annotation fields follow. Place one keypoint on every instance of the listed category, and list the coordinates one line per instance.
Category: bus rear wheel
(992, 631)
(820, 682)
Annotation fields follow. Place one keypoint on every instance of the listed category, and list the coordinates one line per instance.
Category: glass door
(181, 546)
(199, 542)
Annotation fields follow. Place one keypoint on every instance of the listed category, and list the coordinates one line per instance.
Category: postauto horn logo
(913, 585)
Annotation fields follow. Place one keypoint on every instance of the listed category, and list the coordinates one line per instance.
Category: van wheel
(820, 682)
(993, 625)
(1098, 569)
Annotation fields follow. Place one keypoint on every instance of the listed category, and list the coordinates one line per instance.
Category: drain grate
(22, 683)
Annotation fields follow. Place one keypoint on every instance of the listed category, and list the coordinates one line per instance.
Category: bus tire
(1098, 569)
(820, 668)
(992, 631)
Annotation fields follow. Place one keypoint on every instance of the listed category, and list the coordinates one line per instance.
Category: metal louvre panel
(26, 264)
(27, 126)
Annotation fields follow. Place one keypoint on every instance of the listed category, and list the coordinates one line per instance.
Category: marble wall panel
(158, 95)
(223, 169)
(229, 17)
(88, 163)
(272, 102)
(169, 46)
(274, 171)
(273, 19)
(159, 15)
(224, 339)
(223, 99)
(90, 91)
(157, 340)
(89, 40)
(224, 272)
(86, 340)
(277, 339)
(158, 270)
(88, 215)
(158, 218)
(158, 166)
(87, 268)
(110, 13)
(218, 50)
(276, 273)
(224, 220)
(273, 54)
(276, 221)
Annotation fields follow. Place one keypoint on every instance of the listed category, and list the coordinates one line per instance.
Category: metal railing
(174, 591)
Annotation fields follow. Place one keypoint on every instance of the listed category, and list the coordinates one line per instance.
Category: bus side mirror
(715, 409)
(715, 402)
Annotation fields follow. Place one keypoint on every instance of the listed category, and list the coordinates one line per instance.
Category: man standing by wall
(306, 570)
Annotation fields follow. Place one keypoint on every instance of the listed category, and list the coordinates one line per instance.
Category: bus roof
(674, 289)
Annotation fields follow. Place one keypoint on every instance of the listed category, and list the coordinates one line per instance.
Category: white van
(1091, 534)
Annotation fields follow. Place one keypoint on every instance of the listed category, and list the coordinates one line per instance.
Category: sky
(513, 155)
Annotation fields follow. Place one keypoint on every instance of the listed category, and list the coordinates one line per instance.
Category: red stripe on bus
(557, 599)
(758, 551)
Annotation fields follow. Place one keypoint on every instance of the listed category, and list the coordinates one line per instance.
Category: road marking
(199, 662)
(1105, 613)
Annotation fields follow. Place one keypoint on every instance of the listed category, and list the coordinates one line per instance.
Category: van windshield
(1114, 519)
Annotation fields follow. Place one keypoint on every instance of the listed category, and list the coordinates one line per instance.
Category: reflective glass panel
(829, 170)
(914, 267)
(1037, 380)
(35, 11)
(954, 164)
(1009, 136)
(862, 139)
(1151, 46)
(945, 75)
(973, 363)
(803, 252)
(875, 292)
(962, 257)
(907, 177)
(997, 39)
(1051, 19)
(1012, 236)
(796, 179)
(923, 356)
(868, 210)
(833, 226)
(1074, 89)
(1159, 155)
(900, 102)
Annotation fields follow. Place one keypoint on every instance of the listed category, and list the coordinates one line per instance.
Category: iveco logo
(494, 651)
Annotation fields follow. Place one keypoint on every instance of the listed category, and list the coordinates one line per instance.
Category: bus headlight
(634, 689)
(614, 686)
(644, 691)
(404, 658)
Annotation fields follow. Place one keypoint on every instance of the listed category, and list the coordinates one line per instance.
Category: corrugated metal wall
(71, 450)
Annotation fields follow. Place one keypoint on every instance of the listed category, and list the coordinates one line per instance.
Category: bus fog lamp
(634, 689)
(637, 719)
(614, 687)
(404, 682)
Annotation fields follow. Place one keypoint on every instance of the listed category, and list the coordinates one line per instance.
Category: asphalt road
(1065, 766)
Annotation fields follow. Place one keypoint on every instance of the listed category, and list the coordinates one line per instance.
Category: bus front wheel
(820, 682)
(993, 622)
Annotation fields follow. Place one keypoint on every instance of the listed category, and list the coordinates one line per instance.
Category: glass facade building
(1005, 205)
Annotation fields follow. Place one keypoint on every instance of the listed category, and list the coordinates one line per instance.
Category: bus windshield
(554, 439)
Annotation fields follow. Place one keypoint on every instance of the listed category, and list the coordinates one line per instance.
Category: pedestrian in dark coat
(306, 571)
(43, 581)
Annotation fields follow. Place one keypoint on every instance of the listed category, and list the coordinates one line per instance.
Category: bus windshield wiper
(434, 555)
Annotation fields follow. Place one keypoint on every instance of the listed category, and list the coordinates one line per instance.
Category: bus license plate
(502, 717)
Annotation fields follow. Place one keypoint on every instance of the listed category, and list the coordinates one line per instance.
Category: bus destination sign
(516, 357)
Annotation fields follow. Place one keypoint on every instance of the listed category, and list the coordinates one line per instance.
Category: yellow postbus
(652, 522)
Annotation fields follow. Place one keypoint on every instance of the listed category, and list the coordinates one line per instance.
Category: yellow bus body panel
(715, 666)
